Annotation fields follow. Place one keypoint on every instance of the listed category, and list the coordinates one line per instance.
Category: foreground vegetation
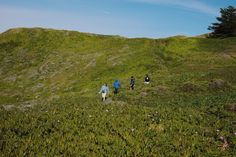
(50, 107)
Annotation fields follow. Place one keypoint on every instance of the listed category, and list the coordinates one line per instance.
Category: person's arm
(100, 91)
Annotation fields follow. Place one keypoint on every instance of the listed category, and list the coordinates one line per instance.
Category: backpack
(147, 79)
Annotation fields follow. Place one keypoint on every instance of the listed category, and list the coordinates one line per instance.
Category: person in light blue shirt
(104, 90)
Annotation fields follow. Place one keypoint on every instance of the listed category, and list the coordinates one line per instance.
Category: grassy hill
(50, 106)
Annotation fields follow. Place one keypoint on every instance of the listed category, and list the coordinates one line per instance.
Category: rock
(121, 103)
(38, 86)
(218, 84)
(143, 94)
(108, 101)
(11, 78)
(231, 107)
(226, 56)
(189, 87)
(32, 73)
(161, 89)
(8, 107)
(53, 97)
(28, 104)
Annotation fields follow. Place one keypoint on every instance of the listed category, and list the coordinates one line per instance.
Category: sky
(128, 18)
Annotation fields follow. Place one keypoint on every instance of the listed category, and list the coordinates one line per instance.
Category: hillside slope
(49, 80)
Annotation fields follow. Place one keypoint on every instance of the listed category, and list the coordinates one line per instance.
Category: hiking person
(104, 90)
(132, 82)
(116, 86)
(147, 79)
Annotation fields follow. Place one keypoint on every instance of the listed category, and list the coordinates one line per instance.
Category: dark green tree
(226, 27)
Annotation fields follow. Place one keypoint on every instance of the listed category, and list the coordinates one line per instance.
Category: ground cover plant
(50, 106)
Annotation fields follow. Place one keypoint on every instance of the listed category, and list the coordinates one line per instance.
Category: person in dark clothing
(147, 79)
(132, 82)
(116, 86)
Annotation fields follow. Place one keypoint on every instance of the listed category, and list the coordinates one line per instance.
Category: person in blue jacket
(104, 90)
(116, 86)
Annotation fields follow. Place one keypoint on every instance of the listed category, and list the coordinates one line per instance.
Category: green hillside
(50, 106)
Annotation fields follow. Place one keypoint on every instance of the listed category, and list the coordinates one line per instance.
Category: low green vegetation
(50, 106)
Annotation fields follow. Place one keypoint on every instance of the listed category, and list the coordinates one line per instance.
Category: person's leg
(106, 96)
(103, 96)
(115, 91)
(132, 86)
